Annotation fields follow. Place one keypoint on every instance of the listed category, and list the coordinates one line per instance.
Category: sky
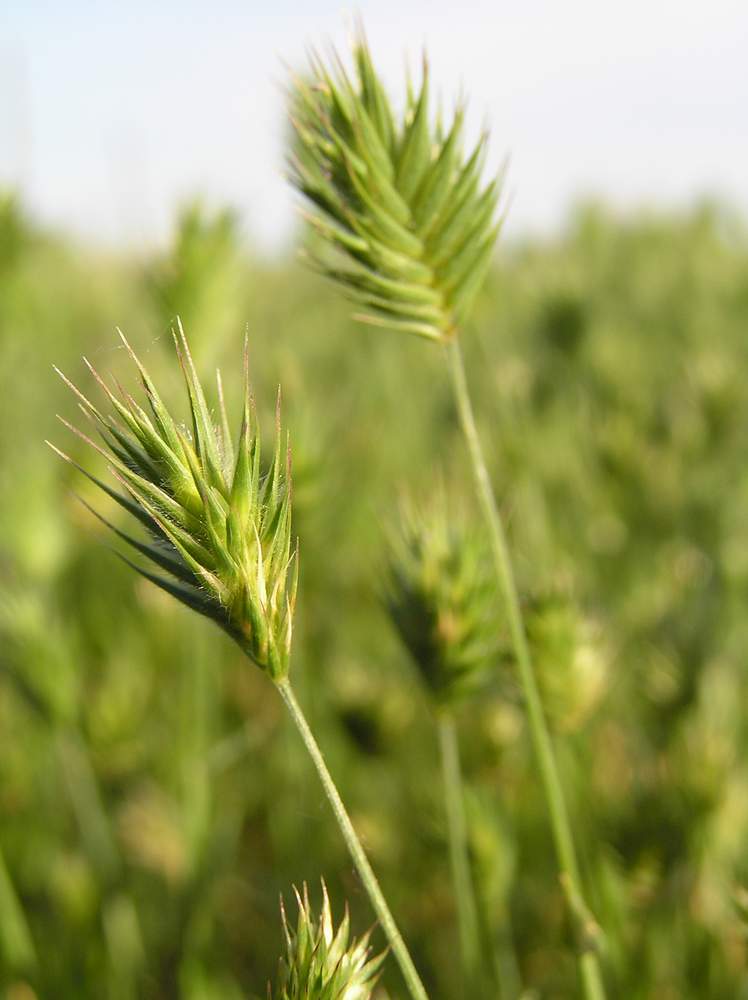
(112, 114)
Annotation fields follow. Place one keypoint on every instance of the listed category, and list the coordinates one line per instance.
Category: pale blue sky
(111, 113)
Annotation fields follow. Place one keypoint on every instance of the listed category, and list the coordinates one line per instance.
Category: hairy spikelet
(322, 963)
(219, 529)
(399, 203)
(441, 598)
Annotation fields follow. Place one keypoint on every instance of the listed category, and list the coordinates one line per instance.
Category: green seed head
(407, 224)
(219, 528)
(570, 656)
(441, 598)
(322, 963)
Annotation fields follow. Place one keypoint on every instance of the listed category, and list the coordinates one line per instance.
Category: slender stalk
(467, 910)
(539, 735)
(365, 871)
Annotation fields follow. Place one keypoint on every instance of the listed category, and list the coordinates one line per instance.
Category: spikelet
(397, 201)
(441, 598)
(219, 530)
(322, 963)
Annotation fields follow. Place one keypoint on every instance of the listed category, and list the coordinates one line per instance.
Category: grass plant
(220, 529)
(407, 230)
(617, 385)
(154, 801)
(442, 603)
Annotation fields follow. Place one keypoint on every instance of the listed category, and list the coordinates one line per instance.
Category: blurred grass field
(154, 802)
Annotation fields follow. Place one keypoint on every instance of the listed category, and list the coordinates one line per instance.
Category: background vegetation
(154, 802)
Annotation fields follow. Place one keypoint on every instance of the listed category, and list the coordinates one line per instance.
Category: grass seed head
(219, 526)
(441, 598)
(571, 657)
(406, 224)
(323, 963)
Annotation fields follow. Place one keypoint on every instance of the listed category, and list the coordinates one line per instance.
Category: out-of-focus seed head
(400, 207)
(441, 598)
(570, 655)
(323, 963)
(219, 527)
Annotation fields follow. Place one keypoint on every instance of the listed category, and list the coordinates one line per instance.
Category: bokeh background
(154, 802)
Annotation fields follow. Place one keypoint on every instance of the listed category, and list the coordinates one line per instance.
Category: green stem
(467, 911)
(355, 847)
(539, 735)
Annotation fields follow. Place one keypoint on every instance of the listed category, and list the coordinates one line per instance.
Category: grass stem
(589, 965)
(365, 871)
(467, 910)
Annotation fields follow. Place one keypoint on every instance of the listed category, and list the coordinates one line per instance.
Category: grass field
(154, 801)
